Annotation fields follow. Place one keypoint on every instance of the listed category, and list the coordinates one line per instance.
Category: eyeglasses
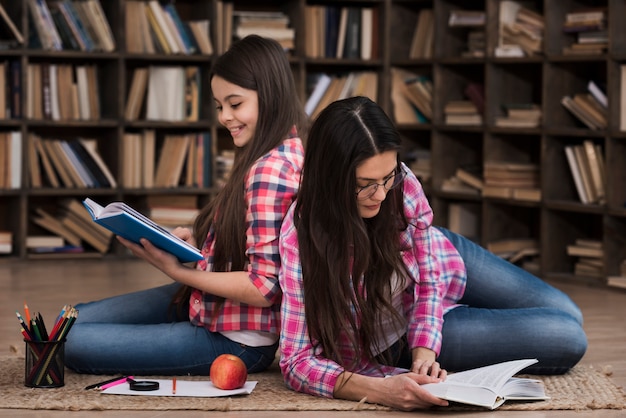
(390, 182)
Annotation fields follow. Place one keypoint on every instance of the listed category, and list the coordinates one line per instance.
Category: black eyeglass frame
(397, 177)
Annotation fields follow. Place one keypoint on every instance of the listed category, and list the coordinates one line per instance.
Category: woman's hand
(405, 393)
(424, 363)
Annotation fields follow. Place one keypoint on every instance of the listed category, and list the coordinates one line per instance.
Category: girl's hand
(405, 393)
(160, 259)
(184, 234)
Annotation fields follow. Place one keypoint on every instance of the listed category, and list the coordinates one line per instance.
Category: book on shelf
(520, 115)
(460, 17)
(6, 242)
(580, 250)
(490, 386)
(471, 174)
(520, 30)
(423, 36)
(581, 113)
(454, 185)
(8, 27)
(10, 160)
(136, 93)
(166, 93)
(48, 241)
(130, 224)
(530, 194)
(616, 281)
(599, 92)
(508, 246)
(55, 226)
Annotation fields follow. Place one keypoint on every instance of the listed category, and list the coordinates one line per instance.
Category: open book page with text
(128, 223)
(490, 386)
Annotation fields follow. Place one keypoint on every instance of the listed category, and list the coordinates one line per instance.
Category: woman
(230, 301)
(372, 290)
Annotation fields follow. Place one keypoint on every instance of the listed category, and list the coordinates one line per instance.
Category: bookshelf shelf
(555, 219)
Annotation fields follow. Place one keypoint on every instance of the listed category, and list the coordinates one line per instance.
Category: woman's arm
(401, 391)
(426, 313)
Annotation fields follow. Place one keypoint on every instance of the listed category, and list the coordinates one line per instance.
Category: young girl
(368, 281)
(231, 299)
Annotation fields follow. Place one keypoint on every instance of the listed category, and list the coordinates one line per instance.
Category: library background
(513, 115)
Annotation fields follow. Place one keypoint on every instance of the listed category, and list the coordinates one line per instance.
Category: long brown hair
(347, 261)
(259, 64)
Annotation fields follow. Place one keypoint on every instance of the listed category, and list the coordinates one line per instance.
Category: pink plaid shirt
(270, 188)
(437, 282)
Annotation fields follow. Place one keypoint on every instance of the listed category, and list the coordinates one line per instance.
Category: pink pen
(116, 382)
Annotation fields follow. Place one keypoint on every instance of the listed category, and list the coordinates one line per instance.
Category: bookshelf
(553, 215)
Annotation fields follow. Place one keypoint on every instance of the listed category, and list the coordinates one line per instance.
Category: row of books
(521, 30)
(177, 160)
(62, 92)
(499, 179)
(273, 25)
(10, 159)
(590, 30)
(10, 89)
(589, 255)
(70, 25)
(462, 112)
(586, 163)
(518, 250)
(412, 96)
(519, 115)
(164, 93)
(72, 222)
(473, 22)
(590, 107)
(511, 180)
(171, 211)
(341, 32)
(329, 88)
(152, 27)
(74, 163)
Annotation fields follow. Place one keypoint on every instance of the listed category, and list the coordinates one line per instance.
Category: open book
(126, 222)
(490, 386)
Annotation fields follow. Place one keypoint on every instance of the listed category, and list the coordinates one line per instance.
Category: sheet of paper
(202, 389)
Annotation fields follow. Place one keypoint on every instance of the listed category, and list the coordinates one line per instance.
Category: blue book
(126, 222)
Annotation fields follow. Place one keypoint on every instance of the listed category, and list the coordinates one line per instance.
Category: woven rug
(584, 388)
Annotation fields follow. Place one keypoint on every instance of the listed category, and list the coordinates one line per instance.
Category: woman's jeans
(135, 333)
(508, 314)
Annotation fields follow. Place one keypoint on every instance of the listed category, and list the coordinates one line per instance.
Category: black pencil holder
(44, 364)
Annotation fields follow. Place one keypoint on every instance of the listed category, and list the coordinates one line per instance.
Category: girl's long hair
(258, 64)
(347, 261)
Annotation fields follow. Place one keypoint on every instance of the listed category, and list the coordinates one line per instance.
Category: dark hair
(259, 64)
(345, 257)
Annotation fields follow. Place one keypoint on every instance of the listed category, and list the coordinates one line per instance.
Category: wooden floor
(48, 285)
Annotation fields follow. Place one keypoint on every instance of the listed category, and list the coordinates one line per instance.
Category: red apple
(228, 372)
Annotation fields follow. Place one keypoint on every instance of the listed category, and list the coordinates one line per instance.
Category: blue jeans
(136, 333)
(509, 314)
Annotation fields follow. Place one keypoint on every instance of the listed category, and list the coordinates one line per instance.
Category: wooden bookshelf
(555, 220)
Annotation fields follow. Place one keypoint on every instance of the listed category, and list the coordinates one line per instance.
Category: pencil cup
(45, 364)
